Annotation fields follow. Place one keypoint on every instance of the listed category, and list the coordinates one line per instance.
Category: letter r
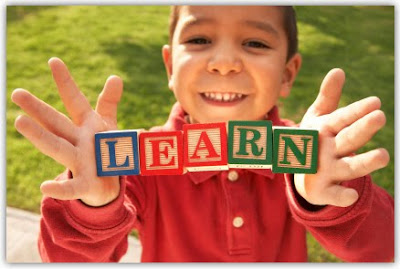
(252, 141)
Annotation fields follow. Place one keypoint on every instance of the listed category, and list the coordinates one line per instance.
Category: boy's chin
(226, 119)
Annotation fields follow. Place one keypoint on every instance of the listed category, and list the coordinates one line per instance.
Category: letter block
(295, 150)
(205, 147)
(161, 153)
(250, 144)
(117, 153)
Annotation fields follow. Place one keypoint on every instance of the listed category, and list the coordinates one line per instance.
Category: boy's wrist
(329, 215)
(101, 217)
(303, 202)
(300, 200)
(68, 174)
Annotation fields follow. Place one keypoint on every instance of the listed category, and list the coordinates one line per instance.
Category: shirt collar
(200, 177)
(177, 119)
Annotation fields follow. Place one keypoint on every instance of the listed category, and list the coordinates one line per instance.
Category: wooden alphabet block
(161, 153)
(295, 150)
(117, 153)
(250, 144)
(205, 147)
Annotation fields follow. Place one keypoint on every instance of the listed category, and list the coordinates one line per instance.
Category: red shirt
(230, 216)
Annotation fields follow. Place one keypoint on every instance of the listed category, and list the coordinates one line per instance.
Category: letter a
(207, 146)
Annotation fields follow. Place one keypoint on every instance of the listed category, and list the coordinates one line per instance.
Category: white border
(203, 2)
(166, 2)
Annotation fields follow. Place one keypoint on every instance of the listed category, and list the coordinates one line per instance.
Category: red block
(205, 147)
(161, 153)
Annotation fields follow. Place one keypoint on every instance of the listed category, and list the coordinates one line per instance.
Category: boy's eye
(256, 44)
(198, 41)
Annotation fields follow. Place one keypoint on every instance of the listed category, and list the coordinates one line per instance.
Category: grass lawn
(96, 42)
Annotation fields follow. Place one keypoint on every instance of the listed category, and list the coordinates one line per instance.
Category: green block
(295, 150)
(250, 144)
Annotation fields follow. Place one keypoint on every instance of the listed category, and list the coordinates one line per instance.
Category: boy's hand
(71, 143)
(341, 132)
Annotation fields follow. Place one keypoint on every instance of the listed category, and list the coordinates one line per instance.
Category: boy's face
(229, 63)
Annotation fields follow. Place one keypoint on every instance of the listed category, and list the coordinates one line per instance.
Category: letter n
(295, 150)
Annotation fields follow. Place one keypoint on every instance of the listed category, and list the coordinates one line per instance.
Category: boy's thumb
(341, 196)
(330, 91)
(62, 190)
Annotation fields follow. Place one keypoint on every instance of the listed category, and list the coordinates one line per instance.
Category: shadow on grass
(146, 93)
(17, 13)
(360, 40)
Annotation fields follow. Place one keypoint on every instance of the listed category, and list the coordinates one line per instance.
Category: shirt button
(238, 222)
(233, 175)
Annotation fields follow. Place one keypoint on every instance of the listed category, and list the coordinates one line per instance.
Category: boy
(223, 63)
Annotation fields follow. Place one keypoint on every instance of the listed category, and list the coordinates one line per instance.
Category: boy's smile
(218, 98)
(229, 64)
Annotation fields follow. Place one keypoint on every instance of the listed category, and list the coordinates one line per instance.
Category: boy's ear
(291, 70)
(167, 58)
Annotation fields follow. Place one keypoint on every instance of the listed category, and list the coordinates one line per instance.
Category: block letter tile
(250, 144)
(295, 150)
(205, 147)
(117, 153)
(161, 153)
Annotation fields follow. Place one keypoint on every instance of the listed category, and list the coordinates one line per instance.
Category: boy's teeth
(223, 97)
(227, 96)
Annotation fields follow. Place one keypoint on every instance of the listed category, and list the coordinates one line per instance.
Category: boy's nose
(224, 63)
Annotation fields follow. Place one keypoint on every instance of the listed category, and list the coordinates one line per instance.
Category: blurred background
(97, 41)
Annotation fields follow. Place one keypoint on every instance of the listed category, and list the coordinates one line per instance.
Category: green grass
(96, 42)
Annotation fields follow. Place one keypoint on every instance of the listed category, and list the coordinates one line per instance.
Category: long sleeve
(363, 232)
(71, 231)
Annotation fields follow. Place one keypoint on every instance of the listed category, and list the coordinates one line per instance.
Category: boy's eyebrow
(266, 27)
(263, 26)
(191, 21)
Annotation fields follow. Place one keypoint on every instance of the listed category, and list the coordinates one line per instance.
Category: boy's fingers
(329, 94)
(345, 116)
(51, 145)
(74, 100)
(355, 136)
(338, 195)
(70, 189)
(109, 98)
(46, 115)
(356, 166)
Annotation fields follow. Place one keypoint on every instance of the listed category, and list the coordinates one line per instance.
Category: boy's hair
(289, 25)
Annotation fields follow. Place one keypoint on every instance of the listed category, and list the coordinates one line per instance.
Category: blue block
(117, 153)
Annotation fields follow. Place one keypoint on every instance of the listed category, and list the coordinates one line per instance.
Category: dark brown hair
(289, 24)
